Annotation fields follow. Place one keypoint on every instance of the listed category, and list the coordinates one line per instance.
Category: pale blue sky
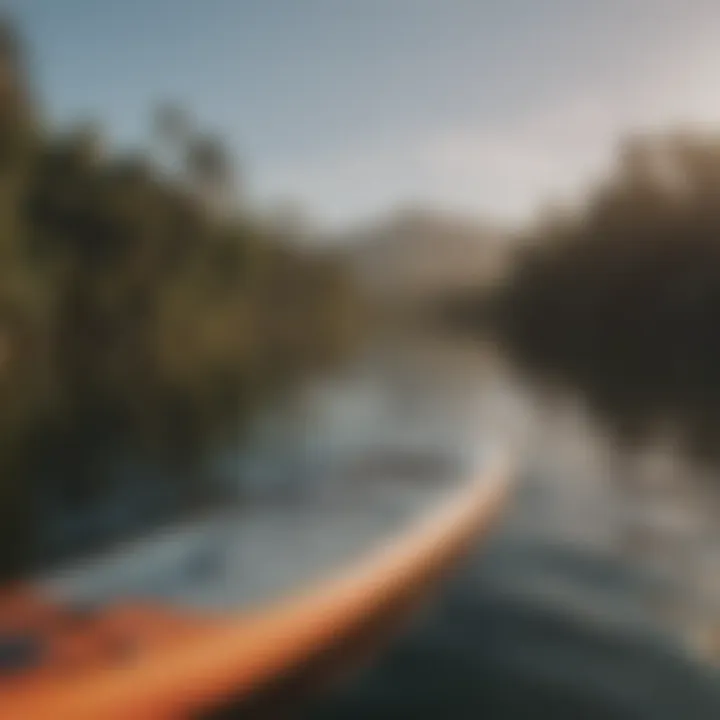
(353, 106)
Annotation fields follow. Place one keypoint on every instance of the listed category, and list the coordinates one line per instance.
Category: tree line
(140, 295)
(621, 296)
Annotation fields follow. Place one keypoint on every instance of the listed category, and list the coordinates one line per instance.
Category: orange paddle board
(69, 652)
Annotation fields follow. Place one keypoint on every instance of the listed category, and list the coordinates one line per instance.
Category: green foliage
(134, 294)
(623, 298)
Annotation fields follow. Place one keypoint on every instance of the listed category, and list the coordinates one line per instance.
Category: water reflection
(654, 512)
(601, 591)
(600, 588)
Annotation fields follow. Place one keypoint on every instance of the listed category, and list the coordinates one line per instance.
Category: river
(599, 597)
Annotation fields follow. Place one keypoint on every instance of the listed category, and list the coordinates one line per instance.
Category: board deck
(172, 625)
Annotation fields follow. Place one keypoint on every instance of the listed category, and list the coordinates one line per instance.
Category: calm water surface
(599, 596)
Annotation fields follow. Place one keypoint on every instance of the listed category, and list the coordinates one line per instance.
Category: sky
(352, 107)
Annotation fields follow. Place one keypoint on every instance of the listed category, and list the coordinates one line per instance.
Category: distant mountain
(421, 254)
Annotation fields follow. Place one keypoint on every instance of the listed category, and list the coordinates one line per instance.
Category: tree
(624, 300)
